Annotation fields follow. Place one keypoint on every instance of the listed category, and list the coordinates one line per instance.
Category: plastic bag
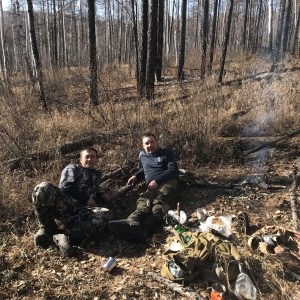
(222, 224)
(244, 288)
(174, 214)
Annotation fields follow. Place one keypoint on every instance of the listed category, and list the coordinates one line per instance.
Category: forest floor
(224, 181)
(30, 273)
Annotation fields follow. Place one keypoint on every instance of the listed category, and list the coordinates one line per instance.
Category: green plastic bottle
(179, 229)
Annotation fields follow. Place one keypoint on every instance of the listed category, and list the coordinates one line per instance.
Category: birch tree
(23, 41)
(3, 54)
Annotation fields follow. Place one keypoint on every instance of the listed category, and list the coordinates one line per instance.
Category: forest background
(212, 78)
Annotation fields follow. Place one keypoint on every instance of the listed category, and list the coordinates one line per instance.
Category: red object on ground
(215, 296)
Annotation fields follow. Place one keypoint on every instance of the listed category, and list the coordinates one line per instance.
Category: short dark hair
(89, 149)
(147, 134)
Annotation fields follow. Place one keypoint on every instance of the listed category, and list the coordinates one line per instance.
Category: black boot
(128, 230)
(43, 238)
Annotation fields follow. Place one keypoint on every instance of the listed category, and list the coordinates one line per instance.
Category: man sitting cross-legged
(73, 203)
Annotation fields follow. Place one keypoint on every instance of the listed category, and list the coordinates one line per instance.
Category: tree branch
(272, 143)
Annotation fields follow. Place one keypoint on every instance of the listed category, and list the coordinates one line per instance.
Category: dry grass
(195, 118)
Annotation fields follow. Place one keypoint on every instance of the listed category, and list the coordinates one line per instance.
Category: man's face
(88, 159)
(150, 144)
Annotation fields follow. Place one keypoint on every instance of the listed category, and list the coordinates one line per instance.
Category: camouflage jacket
(80, 183)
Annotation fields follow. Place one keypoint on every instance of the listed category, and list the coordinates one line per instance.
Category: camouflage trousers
(152, 206)
(80, 221)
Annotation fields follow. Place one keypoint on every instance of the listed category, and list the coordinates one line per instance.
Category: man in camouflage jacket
(74, 203)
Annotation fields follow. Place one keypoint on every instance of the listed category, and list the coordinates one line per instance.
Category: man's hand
(152, 185)
(132, 180)
(91, 202)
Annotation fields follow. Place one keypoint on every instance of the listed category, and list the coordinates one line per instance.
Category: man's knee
(44, 194)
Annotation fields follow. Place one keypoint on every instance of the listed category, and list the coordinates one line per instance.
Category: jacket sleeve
(68, 185)
(140, 174)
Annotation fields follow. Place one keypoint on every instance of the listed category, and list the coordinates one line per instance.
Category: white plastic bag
(244, 288)
(222, 224)
(173, 213)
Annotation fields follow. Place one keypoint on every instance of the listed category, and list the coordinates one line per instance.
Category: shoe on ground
(63, 243)
(128, 230)
(42, 239)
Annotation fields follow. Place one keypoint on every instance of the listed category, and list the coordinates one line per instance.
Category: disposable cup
(110, 264)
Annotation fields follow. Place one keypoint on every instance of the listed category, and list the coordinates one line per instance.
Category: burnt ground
(261, 190)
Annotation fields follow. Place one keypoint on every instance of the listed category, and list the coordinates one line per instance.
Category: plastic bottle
(179, 229)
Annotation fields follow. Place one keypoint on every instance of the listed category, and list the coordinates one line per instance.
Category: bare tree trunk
(280, 26)
(287, 22)
(160, 40)
(180, 72)
(270, 25)
(48, 33)
(276, 54)
(296, 32)
(227, 35)
(136, 40)
(204, 38)
(257, 28)
(151, 50)
(171, 28)
(81, 31)
(213, 36)
(143, 59)
(245, 24)
(55, 51)
(74, 37)
(197, 24)
(3, 54)
(36, 57)
(121, 37)
(93, 54)
(63, 44)
(23, 41)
